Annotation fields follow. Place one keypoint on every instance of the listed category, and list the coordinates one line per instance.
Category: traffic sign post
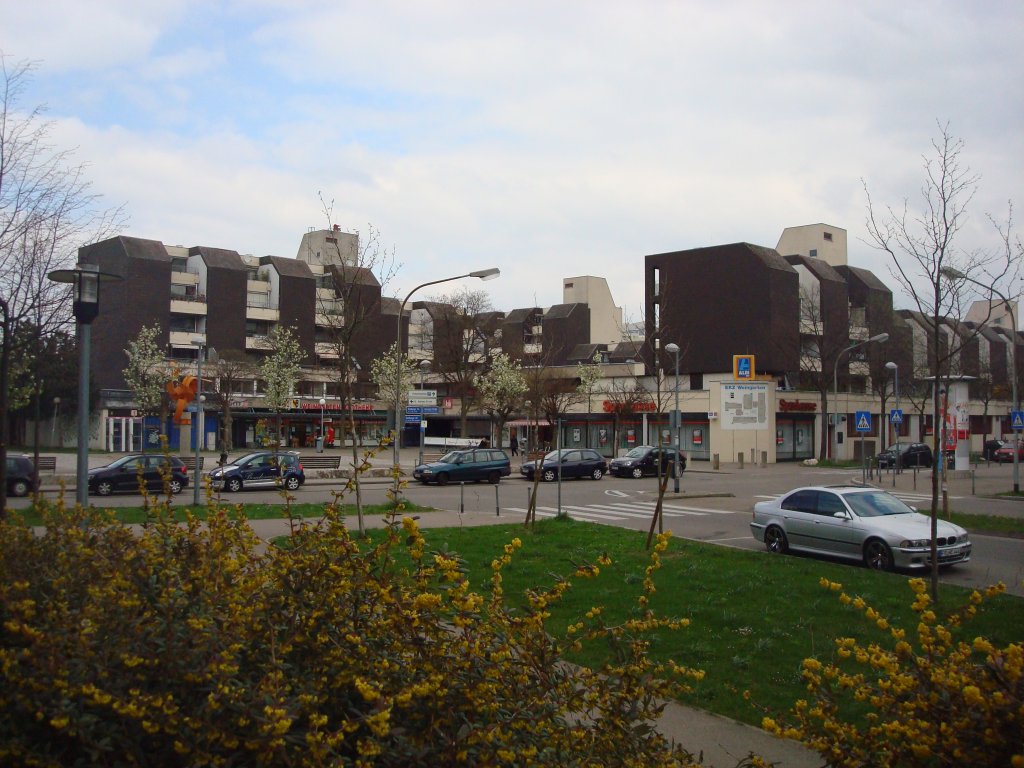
(896, 416)
(862, 421)
(1016, 419)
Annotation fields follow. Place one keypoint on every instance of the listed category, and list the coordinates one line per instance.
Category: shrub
(936, 701)
(195, 644)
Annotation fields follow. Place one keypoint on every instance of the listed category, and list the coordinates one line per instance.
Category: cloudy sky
(550, 139)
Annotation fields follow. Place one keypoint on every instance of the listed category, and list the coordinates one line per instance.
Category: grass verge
(754, 616)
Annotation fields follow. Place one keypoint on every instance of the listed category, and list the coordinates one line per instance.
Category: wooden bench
(190, 462)
(320, 462)
(47, 464)
(431, 457)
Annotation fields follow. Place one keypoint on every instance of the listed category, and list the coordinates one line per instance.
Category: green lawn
(754, 616)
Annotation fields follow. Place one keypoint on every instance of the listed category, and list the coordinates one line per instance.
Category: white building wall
(821, 241)
(605, 317)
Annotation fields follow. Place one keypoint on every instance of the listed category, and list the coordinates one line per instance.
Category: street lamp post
(673, 348)
(424, 367)
(896, 391)
(197, 422)
(482, 274)
(835, 382)
(955, 274)
(86, 279)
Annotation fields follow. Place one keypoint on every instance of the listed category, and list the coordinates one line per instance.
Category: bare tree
(232, 368)
(345, 323)
(47, 209)
(930, 267)
(461, 345)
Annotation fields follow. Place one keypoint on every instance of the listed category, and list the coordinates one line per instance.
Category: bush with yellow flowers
(194, 644)
(913, 699)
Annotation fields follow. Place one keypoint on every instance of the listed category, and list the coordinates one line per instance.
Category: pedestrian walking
(513, 443)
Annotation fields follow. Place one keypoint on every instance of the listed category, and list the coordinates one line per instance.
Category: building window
(828, 237)
(814, 253)
(696, 381)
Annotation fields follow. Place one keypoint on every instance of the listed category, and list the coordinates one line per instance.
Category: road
(713, 507)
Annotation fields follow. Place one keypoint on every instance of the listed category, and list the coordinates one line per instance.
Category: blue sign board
(863, 421)
(896, 416)
(1017, 419)
(426, 410)
(412, 418)
(414, 409)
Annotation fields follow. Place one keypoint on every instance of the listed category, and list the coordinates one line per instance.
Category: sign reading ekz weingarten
(743, 367)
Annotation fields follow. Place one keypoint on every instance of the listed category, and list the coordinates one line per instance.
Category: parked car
(567, 462)
(644, 460)
(123, 474)
(988, 451)
(856, 523)
(1005, 453)
(474, 464)
(911, 455)
(261, 469)
(21, 478)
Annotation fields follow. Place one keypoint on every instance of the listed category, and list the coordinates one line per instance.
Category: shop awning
(528, 423)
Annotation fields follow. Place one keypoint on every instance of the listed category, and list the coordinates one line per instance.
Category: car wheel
(104, 488)
(548, 475)
(775, 540)
(597, 474)
(234, 485)
(637, 472)
(19, 488)
(442, 479)
(175, 486)
(494, 478)
(877, 555)
(292, 483)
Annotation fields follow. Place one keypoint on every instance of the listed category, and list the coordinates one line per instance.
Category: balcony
(262, 313)
(328, 351)
(184, 338)
(184, 278)
(187, 305)
(257, 342)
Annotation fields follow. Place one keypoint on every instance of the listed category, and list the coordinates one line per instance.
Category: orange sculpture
(182, 392)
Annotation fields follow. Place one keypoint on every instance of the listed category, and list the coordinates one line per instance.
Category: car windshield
(123, 460)
(876, 504)
(452, 457)
(553, 456)
(638, 453)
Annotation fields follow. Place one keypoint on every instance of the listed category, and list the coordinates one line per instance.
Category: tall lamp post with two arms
(955, 274)
(876, 339)
(673, 348)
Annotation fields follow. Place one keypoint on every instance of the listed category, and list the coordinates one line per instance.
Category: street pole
(197, 435)
(674, 349)
(424, 365)
(82, 450)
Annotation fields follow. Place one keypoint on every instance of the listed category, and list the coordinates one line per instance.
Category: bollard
(753, 461)
(764, 459)
(714, 461)
(739, 458)
(462, 497)
(497, 502)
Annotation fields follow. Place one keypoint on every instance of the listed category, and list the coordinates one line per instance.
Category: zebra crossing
(624, 510)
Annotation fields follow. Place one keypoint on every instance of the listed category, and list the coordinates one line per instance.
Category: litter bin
(319, 445)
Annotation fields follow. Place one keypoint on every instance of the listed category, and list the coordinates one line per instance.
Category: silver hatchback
(856, 523)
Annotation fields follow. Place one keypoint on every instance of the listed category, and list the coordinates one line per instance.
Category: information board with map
(745, 405)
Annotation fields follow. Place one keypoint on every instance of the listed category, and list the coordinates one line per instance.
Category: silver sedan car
(856, 523)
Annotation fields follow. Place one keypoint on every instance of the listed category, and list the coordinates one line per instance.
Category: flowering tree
(280, 370)
(501, 389)
(145, 374)
(387, 378)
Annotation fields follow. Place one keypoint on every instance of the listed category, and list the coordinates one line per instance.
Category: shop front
(794, 430)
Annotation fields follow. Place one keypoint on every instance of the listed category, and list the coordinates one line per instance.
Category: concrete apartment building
(790, 309)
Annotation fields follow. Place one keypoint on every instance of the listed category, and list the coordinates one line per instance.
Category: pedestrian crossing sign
(863, 421)
(1017, 419)
(896, 416)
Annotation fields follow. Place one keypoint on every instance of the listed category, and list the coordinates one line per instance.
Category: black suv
(644, 460)
(568, 462)
(123, 474)
(262, 469)
(19, 475)
(911, 455)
